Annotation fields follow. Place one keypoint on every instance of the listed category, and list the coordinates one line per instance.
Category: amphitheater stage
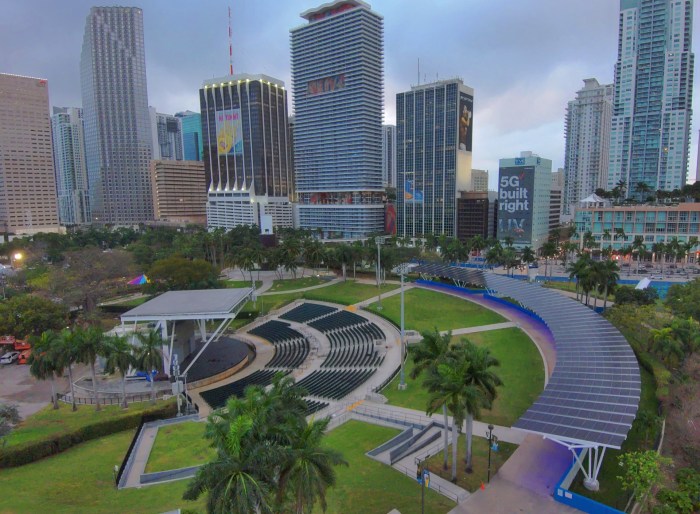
(221, 356)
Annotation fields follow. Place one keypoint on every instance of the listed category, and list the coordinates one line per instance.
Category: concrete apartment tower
(389, 155)
(587, 150)
(115, 110)
(27, 183)
(69, 162)
(650, 133)
(166, 133)
(434, 126)
(338, 82)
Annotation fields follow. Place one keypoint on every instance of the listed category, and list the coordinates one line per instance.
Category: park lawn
(521, 371)
(49, 422)
(82, 480)
(263, 304)
(179, 446)
(426, 310)
(293, 284)
(367, 486)
(571, 287)
(611, 492)
(347, 293)
(480, 455)
(237, 284)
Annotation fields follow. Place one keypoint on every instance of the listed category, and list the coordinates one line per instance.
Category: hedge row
(30, 451)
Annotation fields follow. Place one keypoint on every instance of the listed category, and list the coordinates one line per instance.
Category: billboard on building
(516, 186)
(326, 85)
(229, 132)
(411, 194)
(466, 118)
(390, 219)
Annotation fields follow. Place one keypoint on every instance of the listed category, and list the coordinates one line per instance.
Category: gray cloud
(524, 59)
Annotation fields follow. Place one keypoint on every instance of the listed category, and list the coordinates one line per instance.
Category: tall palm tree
(549, 250)
(91, 344)
(149, 356)
(639, 247)
(43, 364)
(477, 244)
(427, 354)
(494, 255)
(609, 275)
(120, 357)
(577, 269)
(66, 345)
(479, 384)
(528, 256)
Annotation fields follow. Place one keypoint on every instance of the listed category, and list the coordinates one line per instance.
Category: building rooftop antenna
(230, 43)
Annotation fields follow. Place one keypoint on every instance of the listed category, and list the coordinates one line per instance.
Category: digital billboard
(410, 194)
(229, 132)
(516, 186)
(466, 118)
(326, 85)
(390, 219)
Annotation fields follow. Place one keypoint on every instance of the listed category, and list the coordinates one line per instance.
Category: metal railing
(109, 400)
(433, 485)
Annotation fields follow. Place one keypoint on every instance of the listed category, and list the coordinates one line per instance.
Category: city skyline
(510, 69)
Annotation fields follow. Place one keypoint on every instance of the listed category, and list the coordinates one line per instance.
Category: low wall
(402, 437)
(171, 474)
(221, 376)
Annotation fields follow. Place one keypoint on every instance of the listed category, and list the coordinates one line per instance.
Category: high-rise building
(650, 132)
(480, 181)
(338, 82)
(118, 146)
(524, 187)
(191, 124)
(69, 163)
(166, 134)
(179, 191)
(555, 199)
(389, 155)
(477, 212)
(27, 182)
(434, 125)
(588, 119)
(246, 150)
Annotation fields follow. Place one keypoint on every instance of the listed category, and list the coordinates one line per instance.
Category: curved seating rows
(289, 354)
(340, 319)
(217, 397)
(334, 384)
(276, 332)
(307, 312)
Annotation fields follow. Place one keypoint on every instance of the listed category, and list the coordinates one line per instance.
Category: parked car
(9, 357)
(655, 277)
(24, 356)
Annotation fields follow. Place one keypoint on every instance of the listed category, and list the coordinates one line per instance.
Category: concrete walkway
(482, 328)
(319, 286)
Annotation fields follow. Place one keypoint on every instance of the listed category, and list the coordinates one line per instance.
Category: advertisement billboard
(390, 219)
(326, 85)
(515, 188)
(466, 111)
(410, 194)
(229, 132)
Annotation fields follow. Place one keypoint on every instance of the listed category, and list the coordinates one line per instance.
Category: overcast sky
(525, 59)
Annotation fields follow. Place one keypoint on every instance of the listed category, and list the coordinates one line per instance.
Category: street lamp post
(176, 389)
(401, 270)
(492, 442)
(380, 241)
(423, 478)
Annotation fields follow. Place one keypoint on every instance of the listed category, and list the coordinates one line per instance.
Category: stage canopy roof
(196, 304)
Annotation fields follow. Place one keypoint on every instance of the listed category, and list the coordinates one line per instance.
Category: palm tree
(43, 364)
(642, 188)
(67, 351)
(149, 356)
(91, 344)
(549, 250)
(622, 187)
(477, 244)
(609, 275)
(528, 256)
(479, 384)
(639, 247)
(344, 255)
(120, 357)
(577, 269)
(426, 354)
(494, 255)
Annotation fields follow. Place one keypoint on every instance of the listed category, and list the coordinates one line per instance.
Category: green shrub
(31, 451)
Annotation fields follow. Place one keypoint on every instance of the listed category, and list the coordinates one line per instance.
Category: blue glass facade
(191, 123)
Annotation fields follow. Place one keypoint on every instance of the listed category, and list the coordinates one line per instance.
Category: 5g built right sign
(515, 188)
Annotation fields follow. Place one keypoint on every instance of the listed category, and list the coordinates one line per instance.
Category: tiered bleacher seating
(340, 319)
(307, 311)
(290, 354)
(353, 356)
(314, 406)
(217, 397)
(334, 384)
(276, 332)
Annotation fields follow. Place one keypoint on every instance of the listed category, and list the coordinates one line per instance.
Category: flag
(140, 280)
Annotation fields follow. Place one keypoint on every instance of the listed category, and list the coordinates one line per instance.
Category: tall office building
(434, 127)
(191, 124)
(27, 183)
(389, 155)
(166, 134)
(246, 150)
(650, 132)
(338, 82)
(118, 147)
(179, 192)
(480, 181)
(524, 187)
(587, 149)
(555, 199)
(69, 163)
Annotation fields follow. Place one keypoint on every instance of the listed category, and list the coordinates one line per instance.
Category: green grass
(234, 284)
(179, 446)
(48, 421)
(521, 371)
(132, 302)
(367, 486)
(611, 492)
(426, 310)
(571, 287)
(480, 454)
(347, 293)
(279, 286)
(82, 480)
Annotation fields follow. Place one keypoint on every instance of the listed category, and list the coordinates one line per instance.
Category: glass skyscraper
(434, 126)
(650, 131)
(69, 162)
(191, 123)
(118, 144)
(338, 81)
(246, 150)
(166, 133)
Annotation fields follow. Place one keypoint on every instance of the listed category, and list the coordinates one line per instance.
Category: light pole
(401, 270)
(493, 440)
(176, 388)
(423, 478)
(380, 241)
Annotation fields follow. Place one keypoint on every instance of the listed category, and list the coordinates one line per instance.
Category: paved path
(482, 328)
(319, 286)
(141, 454)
